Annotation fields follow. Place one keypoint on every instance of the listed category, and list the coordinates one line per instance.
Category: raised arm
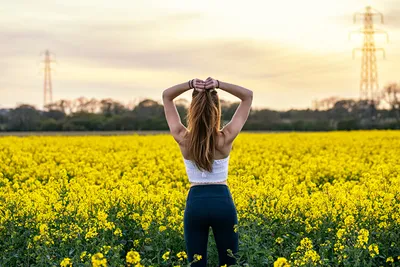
(233, 128)
(175, 125)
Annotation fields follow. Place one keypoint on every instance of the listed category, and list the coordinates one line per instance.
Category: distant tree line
(107, 115)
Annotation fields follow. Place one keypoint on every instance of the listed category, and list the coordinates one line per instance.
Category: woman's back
(222, 149)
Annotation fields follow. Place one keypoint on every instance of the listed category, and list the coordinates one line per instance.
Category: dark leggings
(210, 205)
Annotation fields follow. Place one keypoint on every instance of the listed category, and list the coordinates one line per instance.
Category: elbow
(165, 95)
(249, 95)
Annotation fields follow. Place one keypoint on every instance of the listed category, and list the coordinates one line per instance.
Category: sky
(288, 52)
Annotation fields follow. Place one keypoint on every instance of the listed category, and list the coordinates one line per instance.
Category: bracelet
(218, 84)
(189, 84)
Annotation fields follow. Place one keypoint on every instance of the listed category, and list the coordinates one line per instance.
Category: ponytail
(203, 120)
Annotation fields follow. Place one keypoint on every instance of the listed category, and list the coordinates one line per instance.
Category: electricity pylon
(369, 86)
(47, 86)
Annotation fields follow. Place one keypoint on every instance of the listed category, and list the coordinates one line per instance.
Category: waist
(212, 178)
(211, 183)
(209, 190)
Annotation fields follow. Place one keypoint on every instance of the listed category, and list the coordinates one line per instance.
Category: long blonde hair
(203, 120)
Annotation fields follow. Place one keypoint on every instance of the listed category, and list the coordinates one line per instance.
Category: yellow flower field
(303, 199)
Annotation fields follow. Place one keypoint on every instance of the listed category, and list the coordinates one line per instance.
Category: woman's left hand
(199, 85)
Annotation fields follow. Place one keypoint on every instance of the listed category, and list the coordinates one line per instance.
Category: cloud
(133, 26)
(115, 45)
(103, 45)
(243, 58)
(17, 38)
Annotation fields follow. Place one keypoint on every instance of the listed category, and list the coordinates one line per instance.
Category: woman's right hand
(211, 83)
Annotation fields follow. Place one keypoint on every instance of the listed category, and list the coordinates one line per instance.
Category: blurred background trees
(84, 114)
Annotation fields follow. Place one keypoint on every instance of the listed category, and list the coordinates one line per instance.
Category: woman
(205, 149)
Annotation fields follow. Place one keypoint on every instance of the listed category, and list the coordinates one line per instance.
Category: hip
(210, 201)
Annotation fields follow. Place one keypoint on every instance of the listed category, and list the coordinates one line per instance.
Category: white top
(219, 171)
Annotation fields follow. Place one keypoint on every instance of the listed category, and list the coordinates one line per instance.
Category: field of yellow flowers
(303, 199)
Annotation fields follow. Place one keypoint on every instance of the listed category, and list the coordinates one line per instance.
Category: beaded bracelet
(191, 86)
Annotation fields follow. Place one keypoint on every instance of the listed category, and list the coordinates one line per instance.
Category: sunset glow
(287, 52)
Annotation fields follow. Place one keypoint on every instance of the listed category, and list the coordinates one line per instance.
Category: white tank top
(219, 171)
